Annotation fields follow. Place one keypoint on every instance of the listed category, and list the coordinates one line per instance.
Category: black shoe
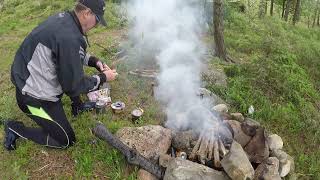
(86, 106)
(10, 136)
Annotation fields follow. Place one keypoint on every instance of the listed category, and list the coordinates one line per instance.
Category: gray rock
(286, 162)
(275, 142)
(215, 76)
(182, 140)
(258, 149)
(238, 134)
(249, 126)
(236, 163)
(205, 93)
(237, 116)
(222, 108)
(164, 160)
(145, 175)
(180, 169)
(268, 170)
(149, 141)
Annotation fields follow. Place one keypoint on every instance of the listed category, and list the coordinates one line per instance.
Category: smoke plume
(168, 31)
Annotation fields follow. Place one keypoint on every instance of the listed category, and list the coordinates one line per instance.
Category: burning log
(132, 156)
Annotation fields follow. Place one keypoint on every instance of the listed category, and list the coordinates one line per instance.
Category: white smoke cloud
(169, 31)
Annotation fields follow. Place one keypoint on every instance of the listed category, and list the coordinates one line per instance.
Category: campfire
(228, 149)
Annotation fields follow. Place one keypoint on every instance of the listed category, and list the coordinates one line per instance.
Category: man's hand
(110, 74)
(101, 66)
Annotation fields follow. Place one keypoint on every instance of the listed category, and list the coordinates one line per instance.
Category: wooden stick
(210, 147)
(222, 149)
(217, 162)
(202, 152)
(195, 148)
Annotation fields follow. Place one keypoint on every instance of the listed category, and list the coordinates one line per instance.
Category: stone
(268, 170)
(207, 94)
(222, 108)
(180, 169)
(286, 162)
(237, 116)
(238, 134)
(249, 126)
(236, 163)
(150, 141)
(145, 175)
(215, 76)
(165, 159)
(258, 149)
(274, 142)
(181, 140)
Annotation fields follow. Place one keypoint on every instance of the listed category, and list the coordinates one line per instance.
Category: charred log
(132, 156)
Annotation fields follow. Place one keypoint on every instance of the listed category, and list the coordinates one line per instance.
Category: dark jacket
(50, 60)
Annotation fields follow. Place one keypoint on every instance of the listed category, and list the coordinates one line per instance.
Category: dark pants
(55, 130)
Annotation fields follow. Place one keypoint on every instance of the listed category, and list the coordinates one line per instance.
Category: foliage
(279, 75)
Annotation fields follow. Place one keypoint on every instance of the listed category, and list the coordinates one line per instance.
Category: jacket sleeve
(70, 70)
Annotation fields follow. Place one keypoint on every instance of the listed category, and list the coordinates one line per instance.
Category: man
(48, 64)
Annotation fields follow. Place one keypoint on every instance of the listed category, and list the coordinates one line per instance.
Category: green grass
(85, 159)
(277, 73)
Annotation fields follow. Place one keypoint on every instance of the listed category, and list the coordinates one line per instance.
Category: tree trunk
(287, 11)
(296, 15)
(283, 8)
(262, 8)
(315, 15)
(318, 23)
(218, 29)
(271, 7)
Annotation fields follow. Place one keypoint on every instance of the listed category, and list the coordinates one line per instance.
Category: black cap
(97, 7)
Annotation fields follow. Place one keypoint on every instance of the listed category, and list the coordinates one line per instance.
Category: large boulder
(149, 141)
(221, 108)
(183, 140)
(145, 175)
(250, 126)
(213, 75)
(268, 170)
(207, 94)
(258, 149)
(180, 169)
(286, 162)
(237, 164)
(238, 134)
(275, 142)
(237, 116)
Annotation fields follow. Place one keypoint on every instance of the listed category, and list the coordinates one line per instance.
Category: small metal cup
(100, 107)
(136, 114)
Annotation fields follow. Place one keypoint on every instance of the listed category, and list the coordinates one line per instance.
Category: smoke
(168, 31)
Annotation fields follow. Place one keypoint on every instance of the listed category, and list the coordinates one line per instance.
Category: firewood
(217, 162)
(195, 148)
(202, 152)
(222, 149)
(210, 151)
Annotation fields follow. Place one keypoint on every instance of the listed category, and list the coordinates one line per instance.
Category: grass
(89, 157)
(278, 73)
